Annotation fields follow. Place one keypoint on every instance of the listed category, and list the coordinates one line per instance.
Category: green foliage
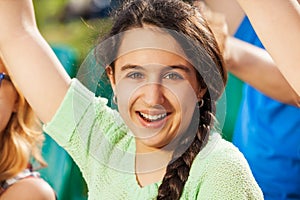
(79, 34)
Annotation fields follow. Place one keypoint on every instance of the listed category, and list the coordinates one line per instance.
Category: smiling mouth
(152, 118)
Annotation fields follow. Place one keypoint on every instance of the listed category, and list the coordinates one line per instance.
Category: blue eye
(3, 76)
(135, 75)
(173, 76)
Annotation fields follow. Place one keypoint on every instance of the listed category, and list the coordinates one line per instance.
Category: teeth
(153, 117)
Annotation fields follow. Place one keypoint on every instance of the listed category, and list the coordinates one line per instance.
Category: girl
(20, 137)
(166, 73)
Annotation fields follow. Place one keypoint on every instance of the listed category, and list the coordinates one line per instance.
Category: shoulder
(222, 155)
(225, 172)
(219, 150)
(29, 189)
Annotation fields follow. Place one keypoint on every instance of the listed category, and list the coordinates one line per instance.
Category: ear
(110, 74)
(200, 93)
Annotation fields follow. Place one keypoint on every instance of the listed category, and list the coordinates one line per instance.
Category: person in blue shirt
(267, 128)
(267, 132)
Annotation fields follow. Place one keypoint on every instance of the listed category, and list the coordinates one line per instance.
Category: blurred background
(72, 23)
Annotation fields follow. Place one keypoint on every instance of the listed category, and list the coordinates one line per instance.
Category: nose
(153, 94)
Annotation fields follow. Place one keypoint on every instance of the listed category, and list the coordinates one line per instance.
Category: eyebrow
(181, 67)
(130, 66)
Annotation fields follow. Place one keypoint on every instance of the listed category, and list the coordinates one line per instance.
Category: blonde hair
(21, 140)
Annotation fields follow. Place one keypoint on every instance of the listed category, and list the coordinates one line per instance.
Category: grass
(79, 34)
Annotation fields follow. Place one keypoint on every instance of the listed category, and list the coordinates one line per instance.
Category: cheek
(6, 109)
(8, 98)
(185, 96)
(126, 96)
(184, 100)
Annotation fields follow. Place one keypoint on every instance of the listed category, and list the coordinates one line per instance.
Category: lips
(152, 120)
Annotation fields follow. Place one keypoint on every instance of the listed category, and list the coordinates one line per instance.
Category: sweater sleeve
(74, 105)
(85, 127)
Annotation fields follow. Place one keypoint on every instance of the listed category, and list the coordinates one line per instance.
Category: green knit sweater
(104, 149)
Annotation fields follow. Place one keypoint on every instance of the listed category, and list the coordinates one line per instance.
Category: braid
(178, 171)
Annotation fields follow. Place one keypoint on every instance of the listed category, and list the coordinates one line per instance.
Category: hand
(217, 24)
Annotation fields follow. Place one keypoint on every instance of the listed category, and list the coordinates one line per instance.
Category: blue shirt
(268, 134)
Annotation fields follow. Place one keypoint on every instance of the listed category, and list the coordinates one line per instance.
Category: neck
(150, 164)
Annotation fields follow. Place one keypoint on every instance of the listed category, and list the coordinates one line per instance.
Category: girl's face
(8, 100)
(155, 86)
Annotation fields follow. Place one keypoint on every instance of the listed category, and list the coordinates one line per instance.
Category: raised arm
(277, 24)
(251, 64)
(30, 60)
(256, 67)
